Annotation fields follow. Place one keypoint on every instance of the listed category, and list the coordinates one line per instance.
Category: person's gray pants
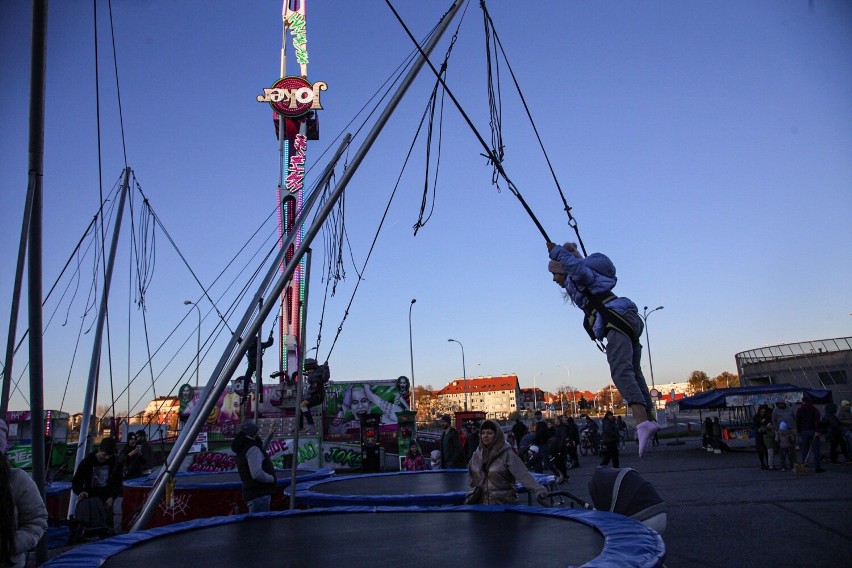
(624, 357)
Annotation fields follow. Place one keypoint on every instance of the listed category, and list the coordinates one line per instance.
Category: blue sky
(705, 147)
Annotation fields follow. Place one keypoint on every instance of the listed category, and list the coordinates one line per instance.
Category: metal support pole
(645, 314)
(464, 372)
(411, 355)
(89, 403)
(232, 354)
(300, 388)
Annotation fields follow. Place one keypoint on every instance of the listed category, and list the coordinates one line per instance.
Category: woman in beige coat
(494, 470)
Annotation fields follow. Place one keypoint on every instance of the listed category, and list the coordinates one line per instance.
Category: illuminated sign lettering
(298, 28)
(292, 97)
(296, 172)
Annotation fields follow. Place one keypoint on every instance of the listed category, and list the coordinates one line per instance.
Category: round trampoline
(203, 495)
(399, 489)
(470, 536)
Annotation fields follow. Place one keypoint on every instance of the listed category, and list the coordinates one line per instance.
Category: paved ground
(724, 511)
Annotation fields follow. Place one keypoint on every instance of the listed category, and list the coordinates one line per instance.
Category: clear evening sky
(706, 147)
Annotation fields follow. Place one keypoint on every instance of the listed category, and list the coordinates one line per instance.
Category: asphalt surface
(725, 511)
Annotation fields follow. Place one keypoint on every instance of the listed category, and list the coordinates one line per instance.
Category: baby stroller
(624, 491)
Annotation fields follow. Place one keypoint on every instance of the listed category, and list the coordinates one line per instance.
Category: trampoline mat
(470, 538)
(395, 484)
(186, 480)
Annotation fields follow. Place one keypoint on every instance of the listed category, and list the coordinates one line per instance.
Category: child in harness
(612, 322)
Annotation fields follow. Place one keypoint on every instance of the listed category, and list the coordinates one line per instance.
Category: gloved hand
(541, 493)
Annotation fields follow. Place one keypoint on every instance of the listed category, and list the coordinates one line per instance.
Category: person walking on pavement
(495, 469)
(609, 440)
(519, 429)
(807, 423)
(834, 434)
(452, 452)
(573, 441)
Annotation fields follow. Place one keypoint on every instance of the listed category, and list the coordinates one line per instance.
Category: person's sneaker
(646, 431)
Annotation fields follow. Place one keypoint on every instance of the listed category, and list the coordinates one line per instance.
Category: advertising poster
(347, 402)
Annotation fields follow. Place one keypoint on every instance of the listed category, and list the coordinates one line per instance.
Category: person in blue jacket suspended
(612, 322)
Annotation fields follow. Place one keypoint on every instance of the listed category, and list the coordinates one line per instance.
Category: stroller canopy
(624, 491)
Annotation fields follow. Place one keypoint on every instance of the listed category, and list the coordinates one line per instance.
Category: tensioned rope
(490, 153)
(334, 228)
(494, 96)
(433, 103)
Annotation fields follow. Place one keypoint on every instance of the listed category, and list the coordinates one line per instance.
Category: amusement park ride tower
(295, 102)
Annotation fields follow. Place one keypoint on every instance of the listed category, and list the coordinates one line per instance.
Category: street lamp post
(535, 391)
(198, 349)
(570, 388)
(411, 353)
(645, 314)
(464, 371)
(573, 401)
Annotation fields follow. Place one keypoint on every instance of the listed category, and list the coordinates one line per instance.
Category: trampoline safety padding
(203, 495)
(355, 537)
(399, 489)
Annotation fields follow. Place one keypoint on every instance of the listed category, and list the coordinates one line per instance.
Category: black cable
(489, 31)
(489, 153)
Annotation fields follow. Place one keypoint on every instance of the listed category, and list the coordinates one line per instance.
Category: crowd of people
(780, 430)
(499, 457)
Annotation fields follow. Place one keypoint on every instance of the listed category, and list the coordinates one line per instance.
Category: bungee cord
(494, 99)
(490, 154)
(431, 108)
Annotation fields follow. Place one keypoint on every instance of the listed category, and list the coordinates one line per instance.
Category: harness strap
(612, 319)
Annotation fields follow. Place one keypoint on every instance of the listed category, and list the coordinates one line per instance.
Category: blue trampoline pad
(228, 479)
(407, 488)
(355, 537)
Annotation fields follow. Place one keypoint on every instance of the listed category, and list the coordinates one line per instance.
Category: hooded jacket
(594, 274)
(787, 415)
(98, 479)
(254, 466)
(496, 469)
(30, 516)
